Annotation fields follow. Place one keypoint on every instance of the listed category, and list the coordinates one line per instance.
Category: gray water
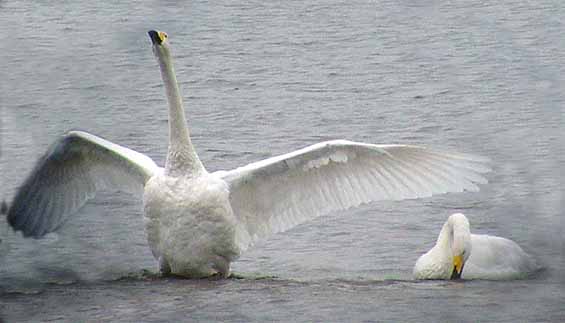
(267, 77)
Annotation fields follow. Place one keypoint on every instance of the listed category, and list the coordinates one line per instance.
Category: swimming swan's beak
(157, 37)
(457, 267)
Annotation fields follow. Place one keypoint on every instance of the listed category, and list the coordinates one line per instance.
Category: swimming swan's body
(198, 222)
(460, 254)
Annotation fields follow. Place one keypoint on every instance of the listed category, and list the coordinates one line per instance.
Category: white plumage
(278, 193)
(198, 222)
(484, 256)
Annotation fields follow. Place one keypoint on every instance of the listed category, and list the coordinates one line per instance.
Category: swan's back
(497, 258)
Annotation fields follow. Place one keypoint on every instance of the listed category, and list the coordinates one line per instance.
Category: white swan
(198, 222)
(460, 254)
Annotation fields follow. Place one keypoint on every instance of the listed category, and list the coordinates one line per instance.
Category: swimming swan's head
(447, 258)
(459, 235)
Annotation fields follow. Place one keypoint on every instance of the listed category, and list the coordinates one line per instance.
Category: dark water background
(268, 77)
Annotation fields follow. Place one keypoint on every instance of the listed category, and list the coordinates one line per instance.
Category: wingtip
(4, 207)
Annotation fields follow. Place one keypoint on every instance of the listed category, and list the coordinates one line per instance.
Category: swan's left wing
(278, 193)
(69, 174)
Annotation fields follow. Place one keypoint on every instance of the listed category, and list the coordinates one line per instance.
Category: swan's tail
(4, 207)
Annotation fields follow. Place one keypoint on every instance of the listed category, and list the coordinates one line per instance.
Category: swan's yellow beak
(458, 263)
(157, 37)
(457, 267)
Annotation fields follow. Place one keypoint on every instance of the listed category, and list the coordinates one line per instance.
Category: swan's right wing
(278, 193)
(497, 257)
(69, 174)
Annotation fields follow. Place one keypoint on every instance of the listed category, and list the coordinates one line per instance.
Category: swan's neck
(445, 238)
(455, 237)
(182, 159)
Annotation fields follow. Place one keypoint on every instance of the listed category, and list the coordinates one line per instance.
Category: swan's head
(452, 249)
(460, 241)
(160, 43)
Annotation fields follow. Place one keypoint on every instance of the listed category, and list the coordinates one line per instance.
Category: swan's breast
(433, 265)
(189, 222)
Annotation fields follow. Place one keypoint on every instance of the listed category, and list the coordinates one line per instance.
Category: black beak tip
(455, 275)
(154, 35)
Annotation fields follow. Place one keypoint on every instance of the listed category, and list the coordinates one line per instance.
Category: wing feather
(69, 174)
(278, 193)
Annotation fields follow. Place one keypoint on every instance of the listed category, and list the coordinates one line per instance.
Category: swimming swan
(198, 222)
(460, 254)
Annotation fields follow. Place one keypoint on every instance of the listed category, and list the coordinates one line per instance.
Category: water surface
(266, 77)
